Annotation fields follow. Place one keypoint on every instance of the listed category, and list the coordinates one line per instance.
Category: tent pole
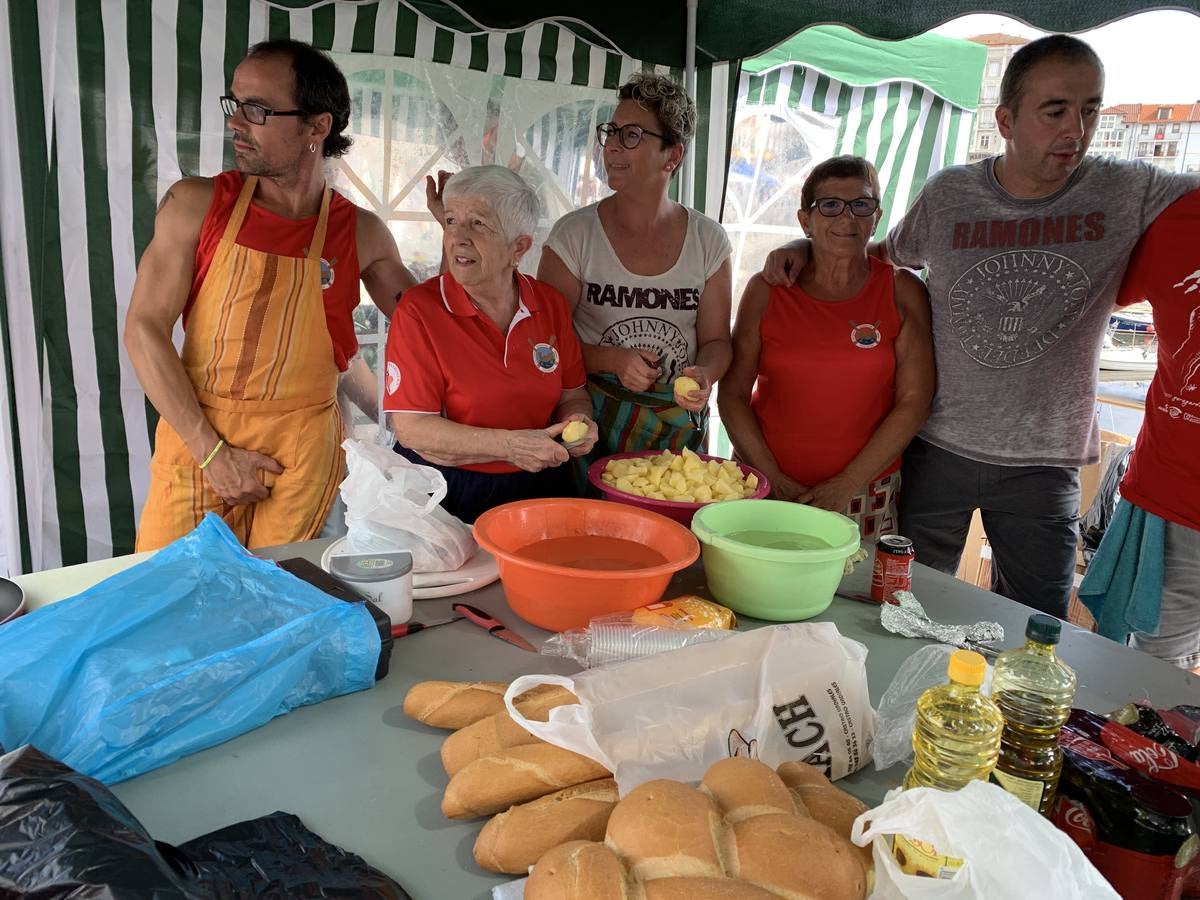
(688, 175)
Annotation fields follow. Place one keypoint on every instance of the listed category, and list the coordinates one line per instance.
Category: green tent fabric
(740, 29)
(950, 68)
(906, 106)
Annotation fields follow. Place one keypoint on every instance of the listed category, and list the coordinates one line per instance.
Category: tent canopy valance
(740, 29)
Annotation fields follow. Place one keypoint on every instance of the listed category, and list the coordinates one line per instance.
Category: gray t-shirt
(1021, 291)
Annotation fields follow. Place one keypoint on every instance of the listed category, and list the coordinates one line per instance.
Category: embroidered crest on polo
(327, 272)
(393, 378)
(865, 336)
(545, 355)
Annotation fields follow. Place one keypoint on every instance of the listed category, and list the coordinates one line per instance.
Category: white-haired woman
(649, 280)
(483, 369)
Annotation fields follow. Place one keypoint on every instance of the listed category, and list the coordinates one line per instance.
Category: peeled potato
(685, 384)
(683, 477)
(575, 431)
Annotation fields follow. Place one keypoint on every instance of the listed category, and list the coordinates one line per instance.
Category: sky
(1148, 58)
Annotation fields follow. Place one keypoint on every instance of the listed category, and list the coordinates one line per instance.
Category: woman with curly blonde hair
(648, 279)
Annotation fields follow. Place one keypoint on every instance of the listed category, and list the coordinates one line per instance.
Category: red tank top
(271, 233)
(826, 375)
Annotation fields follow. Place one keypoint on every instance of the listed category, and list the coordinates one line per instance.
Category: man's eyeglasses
(833, 206)
(255, 113)
(630, 135)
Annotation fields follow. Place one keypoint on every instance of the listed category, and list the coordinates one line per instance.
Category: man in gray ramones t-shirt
(1024, 254)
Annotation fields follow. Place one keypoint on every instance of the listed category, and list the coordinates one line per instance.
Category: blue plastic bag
(196, 645)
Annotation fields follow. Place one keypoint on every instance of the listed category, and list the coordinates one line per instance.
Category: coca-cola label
(1149, 757)
(1073, 817)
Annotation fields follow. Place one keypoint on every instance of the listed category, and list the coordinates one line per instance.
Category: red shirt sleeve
(1135, 286)
(413, 378)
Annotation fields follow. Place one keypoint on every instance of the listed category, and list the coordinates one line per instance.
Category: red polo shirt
(444, 356)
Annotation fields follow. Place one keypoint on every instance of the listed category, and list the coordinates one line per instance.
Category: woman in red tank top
(831, 377)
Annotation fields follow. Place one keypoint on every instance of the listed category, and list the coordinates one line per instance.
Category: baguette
(494, 783)
(499, 732)
(513, 841)
(454, 704)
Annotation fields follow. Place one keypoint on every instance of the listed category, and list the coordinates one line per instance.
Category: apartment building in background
(1113, 134)
(1166, 135)
(985, 138)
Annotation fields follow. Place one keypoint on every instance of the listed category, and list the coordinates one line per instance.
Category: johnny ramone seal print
(1010, 308)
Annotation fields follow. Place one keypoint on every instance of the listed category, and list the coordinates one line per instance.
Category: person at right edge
(1023, 254)
(1144, 578)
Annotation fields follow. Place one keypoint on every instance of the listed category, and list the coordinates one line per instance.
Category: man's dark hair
(1055, 46)
(320, 86)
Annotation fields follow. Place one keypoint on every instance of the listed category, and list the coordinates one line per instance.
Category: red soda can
(893, 567)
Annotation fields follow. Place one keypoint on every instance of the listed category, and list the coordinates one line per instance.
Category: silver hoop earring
(312, 148)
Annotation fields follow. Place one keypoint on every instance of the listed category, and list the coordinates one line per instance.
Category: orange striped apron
(258, 352)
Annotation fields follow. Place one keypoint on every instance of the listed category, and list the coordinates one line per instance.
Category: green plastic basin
(757, 561)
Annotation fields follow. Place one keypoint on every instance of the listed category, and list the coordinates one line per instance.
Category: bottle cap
(967, 667)
(1043, 628)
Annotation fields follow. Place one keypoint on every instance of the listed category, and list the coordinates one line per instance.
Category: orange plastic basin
(563, 561)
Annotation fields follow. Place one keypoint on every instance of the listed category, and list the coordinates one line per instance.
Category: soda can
(893, 567)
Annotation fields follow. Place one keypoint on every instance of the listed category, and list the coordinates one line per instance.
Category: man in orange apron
(263, 265)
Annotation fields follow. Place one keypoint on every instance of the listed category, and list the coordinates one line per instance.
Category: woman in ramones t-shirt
(649, 280)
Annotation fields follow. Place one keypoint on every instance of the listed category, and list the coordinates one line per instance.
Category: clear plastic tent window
(196, 645)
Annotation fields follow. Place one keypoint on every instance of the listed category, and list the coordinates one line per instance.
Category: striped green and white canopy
(104, 104)
(906, 106)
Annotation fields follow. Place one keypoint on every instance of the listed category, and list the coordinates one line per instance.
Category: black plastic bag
(65, 834)
(1099, 515)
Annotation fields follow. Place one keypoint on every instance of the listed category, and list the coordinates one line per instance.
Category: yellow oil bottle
(957, 734)
(956, 740)
(1034, 690)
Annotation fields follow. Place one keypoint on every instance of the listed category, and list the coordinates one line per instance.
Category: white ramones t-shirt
(645, 312)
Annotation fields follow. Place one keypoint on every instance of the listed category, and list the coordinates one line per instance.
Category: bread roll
(743, 787)
(494, 783)
(792, 856)
(498, 731)
(578, 869)
(707, 889)
(454, 704)
(666, 828)
(816, 797)
(513, 841)
(737, 837)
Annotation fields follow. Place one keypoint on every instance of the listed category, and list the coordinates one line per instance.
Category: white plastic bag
(392, 504)
(780, 693)
(1010, 852)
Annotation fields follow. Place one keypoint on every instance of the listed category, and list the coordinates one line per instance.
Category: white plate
(476, 572)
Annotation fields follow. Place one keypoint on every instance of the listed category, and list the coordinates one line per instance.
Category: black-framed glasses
(255, 113)
(833, 206)
(630, 135)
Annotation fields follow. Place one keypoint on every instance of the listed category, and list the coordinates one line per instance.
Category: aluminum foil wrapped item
(907, 617)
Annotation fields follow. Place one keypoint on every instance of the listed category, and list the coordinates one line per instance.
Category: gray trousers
(1178, 637)
(1030, 514)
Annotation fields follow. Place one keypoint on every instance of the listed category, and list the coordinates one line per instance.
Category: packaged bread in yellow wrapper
(687, 611)
(656, 628)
